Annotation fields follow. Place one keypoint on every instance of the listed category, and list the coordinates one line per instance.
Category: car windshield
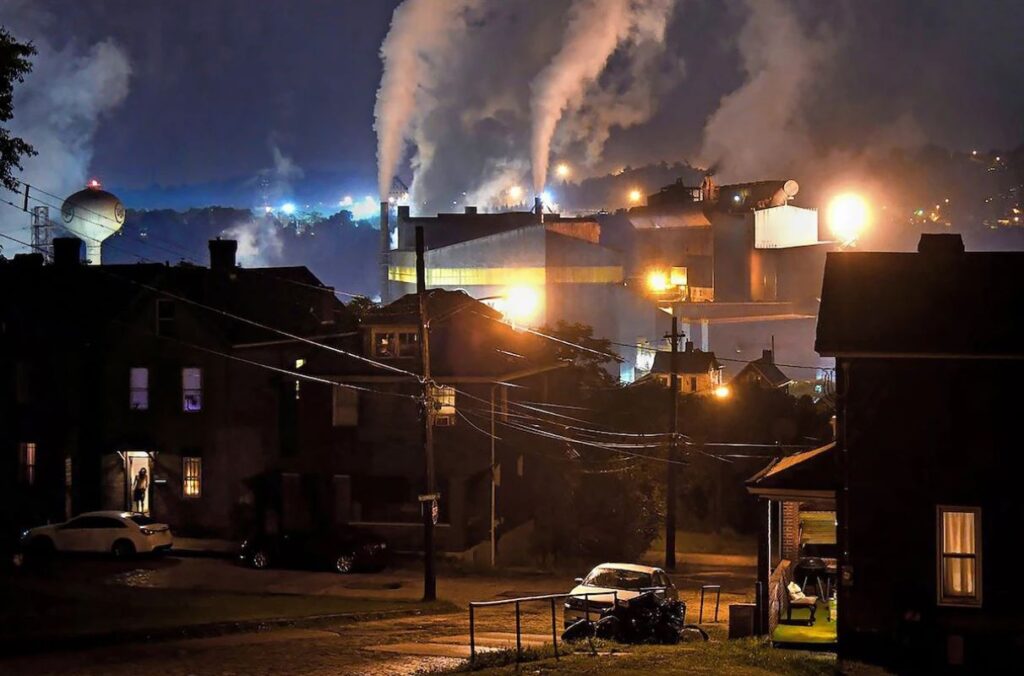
(142, 520)
(617, 578)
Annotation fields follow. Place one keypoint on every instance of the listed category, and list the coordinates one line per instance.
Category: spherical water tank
(93, 215)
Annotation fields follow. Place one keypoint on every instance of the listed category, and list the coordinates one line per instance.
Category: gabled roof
(810, 473)
(767, 370)
(943, 302)
(687, 362)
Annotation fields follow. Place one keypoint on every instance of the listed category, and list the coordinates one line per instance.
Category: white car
(609, 581)
(120, 533)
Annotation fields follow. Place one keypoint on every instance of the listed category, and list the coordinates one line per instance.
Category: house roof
(768, 372)
(687, 362)
(810, 473)
(943, 302)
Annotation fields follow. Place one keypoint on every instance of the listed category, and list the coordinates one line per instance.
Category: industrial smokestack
(385, 251)
(538, 209)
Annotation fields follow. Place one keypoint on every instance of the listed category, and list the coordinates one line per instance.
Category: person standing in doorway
(139, 489)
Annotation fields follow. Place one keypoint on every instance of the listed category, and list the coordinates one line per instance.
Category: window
(345, 411)
(444, 404)
(138, 389)
(693, 383)
(27, 462)
(397, 343)
(192, 477)
(299, 363)
(192, 389)
(959, 548)
(165, 312)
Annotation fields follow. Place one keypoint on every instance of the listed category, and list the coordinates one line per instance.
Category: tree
(14, 66)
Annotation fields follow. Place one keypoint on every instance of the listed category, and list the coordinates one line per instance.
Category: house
(929, 357)
(106, 370)
(699, 371)
(764, 373)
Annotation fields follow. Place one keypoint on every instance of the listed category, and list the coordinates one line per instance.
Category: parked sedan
(119, 533)
(344, 550)
(609, 581)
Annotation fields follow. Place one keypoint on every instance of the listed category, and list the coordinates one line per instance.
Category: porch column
(764, 559)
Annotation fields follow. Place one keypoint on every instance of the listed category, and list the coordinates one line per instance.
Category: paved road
(394, 646)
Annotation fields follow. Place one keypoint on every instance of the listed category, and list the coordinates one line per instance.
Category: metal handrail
(473, 605)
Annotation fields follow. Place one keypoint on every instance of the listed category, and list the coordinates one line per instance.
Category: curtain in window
(959, 555)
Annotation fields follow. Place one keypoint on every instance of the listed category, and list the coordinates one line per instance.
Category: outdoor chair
(795, 598)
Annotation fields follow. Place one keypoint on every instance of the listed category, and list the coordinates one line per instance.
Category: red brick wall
(791, 530)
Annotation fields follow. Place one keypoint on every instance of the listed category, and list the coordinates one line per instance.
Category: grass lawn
(744, 657)
(822, 631)
(31, 611)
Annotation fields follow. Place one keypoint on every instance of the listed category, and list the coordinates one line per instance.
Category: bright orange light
(657, 281)
(562, 170)
(635, 196)
(521, 303)
(516, 192)
(848, 215)
(94, 183)
(722, 392)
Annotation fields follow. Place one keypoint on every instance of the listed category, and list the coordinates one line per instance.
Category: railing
(473, 605)
(717, 588)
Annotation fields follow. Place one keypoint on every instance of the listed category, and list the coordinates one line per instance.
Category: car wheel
(344, 563)
(122, 549)
(260, 560)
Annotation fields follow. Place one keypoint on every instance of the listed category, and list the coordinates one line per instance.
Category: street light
(635, 196)
(516, 193)
(722, 392)
(848, 215)
(562, 170)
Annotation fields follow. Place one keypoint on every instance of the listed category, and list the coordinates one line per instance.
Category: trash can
(741, 619)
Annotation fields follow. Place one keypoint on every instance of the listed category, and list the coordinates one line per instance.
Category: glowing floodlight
(288, 208)
(516, 192)
(848, 215)
(547, 198)
(635, 196)
(657, 281)
(563, 170)
(521, 303)
(722, 392)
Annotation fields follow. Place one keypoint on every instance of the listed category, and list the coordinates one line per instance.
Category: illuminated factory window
(396, 343)
(138, 384)
(27, 462)
(192, 389)
(192, 477)
(444, 404)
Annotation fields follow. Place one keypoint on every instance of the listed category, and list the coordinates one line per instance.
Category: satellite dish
(791, 188)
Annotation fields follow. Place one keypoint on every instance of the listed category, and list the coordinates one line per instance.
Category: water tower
(92, 215)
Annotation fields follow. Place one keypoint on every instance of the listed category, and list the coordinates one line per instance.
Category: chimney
(768, 356)
(385, 251)
(689, 346)
(538, 209)
(940, 244)
(67, 251)
(403, 213)
(222, 254)
(471, 210)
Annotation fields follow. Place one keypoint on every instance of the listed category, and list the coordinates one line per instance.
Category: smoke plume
(421, 32)
(595, 30)
(760, 128)
(63, 100)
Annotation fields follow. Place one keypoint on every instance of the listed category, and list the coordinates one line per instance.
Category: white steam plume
(595, 29)
(760, 129)
(62, 101)
(421, 30)
(259, 241)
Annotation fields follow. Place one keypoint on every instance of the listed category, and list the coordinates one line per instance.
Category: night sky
(216, 88)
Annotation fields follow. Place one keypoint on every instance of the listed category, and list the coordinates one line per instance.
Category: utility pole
(670, 466)
(428, 501)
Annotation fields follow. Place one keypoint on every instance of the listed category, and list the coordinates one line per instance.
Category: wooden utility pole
(673, 446)
(429, 500)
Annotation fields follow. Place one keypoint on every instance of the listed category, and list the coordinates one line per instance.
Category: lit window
(959, 565)
(444, 404)
(27, 462)
(192, 389)
(138, 389)
(345, 411)
(192, 477)
(391, 344)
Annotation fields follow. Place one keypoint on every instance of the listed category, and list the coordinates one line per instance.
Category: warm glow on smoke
(848, 215)
(635, 196)
(516, 193)
(562, 170)
(722, 392)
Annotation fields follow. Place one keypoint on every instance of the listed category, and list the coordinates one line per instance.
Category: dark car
(346, 550)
